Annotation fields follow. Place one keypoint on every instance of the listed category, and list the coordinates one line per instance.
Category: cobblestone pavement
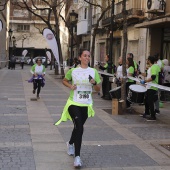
(29, 140)
(16, 150)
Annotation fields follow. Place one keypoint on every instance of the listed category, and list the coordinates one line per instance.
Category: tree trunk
(93, 47)
(125, 41)
(57, 36)
(60, 55)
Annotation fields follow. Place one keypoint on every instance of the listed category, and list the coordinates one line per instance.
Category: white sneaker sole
(150, 120)
(77, 166)
(70, 154)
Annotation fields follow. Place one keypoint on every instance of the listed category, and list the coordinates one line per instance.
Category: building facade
(157, 25)
(4, 19)
(136, 38)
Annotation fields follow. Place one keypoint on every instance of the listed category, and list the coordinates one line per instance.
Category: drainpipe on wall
(91, 39)
(146, 44)
(90, 26)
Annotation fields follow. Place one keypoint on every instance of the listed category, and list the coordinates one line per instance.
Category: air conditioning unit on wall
(156, 5)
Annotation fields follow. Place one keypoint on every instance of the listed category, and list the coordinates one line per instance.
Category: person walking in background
(22, 61)
(13, 62)
(79, 105)
(38, 71)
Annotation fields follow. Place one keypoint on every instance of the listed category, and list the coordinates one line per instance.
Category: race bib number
(83, 96)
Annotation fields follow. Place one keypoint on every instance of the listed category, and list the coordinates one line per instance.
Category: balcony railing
(106, 18)
(107, 14)
(134, 12)
(118, 8)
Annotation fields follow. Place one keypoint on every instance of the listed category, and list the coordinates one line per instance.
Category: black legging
(37, 85)
(151, 96)
(79, 116)
(22, 65)
(104, 84)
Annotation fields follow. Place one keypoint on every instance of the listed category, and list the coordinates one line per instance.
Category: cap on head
(165, 62)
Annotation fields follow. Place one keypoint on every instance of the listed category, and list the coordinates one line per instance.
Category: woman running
(79, 105)
(38, 71)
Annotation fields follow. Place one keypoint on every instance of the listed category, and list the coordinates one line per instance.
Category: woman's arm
(44, 71)
(130, 74)
(143, 74)
(67, 84)
(131, 71)
(33, 70)
(95, 85)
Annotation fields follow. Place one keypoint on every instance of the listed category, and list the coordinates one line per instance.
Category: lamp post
(73, 19)
(9, 47)
(45, 58)
(110, 62)
(111, 39)
(23, 39)
(14, 45)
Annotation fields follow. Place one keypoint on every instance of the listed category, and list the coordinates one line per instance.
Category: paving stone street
(30, 141)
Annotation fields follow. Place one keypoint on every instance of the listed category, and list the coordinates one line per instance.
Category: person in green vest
(151, 93)
(130, 55)
(130, 72)
(38, 72)
(79, 105)
(105, 78)
(159, 69)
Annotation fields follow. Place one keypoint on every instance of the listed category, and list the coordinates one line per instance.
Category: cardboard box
(116, 107)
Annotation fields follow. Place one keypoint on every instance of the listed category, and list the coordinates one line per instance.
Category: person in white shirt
(166, 71)
(22, 61)
(38, 71)
(119, 73)
(159, 61)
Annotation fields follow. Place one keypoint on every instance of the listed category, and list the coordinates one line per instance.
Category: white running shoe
(77, 162)
(70, 149)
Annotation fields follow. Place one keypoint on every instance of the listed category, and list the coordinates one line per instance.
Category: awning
(157, 23)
